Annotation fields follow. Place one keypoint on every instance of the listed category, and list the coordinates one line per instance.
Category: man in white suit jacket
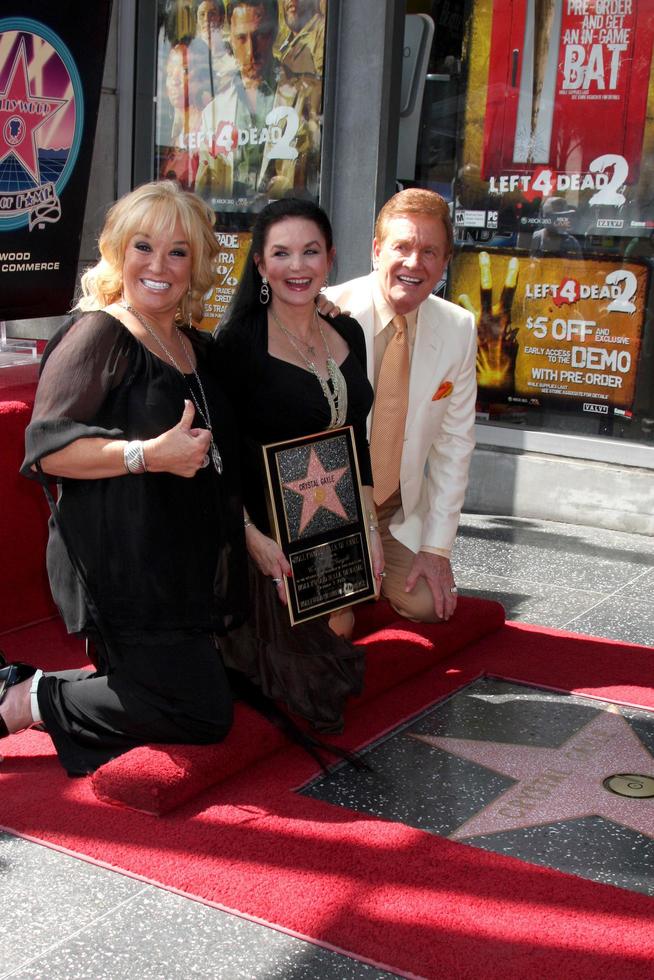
(418, 523)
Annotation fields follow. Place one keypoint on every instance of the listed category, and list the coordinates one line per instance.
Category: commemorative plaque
(320, 522)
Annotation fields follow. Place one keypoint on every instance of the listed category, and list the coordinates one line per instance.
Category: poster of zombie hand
(555, 331)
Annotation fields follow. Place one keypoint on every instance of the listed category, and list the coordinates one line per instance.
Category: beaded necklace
(338, 400)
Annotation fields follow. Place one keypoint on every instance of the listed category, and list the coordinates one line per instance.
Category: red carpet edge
(156, 779)
(408, 901)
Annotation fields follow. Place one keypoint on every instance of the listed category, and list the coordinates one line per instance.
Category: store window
(239, 103)
(537, 124)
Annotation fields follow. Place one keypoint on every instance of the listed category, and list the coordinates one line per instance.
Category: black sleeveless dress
(306, 666)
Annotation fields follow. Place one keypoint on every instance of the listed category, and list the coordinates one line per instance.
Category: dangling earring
(324, 285)
(264, 292)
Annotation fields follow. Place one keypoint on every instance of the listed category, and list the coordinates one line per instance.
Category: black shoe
(11, 674)
(9, 663)
(4, 731)
(14, 674)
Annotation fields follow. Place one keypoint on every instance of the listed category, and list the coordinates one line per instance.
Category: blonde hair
(415, 200)
(153, 209)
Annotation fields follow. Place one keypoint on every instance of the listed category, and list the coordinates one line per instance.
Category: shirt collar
(384, 313)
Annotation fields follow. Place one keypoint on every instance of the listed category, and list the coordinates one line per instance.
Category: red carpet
(232, 832)
(400, 898)
(23, 509)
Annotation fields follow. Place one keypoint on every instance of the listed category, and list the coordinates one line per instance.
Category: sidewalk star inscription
(318, 489)
(564, 783)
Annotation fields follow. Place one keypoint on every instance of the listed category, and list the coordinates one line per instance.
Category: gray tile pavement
(64, 919)
(559, 575)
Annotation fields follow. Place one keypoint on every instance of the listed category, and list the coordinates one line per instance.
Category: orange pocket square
(443, 391)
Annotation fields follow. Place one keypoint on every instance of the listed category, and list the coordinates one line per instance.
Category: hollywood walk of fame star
(318, 489)
(562, 783)
(21, 114)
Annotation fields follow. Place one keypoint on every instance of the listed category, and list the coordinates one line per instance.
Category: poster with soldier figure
(239, 99)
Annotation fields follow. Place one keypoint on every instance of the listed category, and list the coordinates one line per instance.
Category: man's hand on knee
(437, 572)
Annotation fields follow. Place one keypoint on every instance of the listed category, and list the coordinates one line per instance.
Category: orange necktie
(389, 413)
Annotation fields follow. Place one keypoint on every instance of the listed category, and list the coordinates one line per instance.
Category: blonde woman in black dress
(146, 556)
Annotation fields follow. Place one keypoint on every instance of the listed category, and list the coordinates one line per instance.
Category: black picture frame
(319, 521)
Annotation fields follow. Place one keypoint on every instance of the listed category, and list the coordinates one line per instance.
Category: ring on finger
(277, 581)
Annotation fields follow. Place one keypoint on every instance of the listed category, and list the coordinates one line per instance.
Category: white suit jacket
(439, 432)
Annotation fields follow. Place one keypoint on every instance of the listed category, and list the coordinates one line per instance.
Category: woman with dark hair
(292, 372)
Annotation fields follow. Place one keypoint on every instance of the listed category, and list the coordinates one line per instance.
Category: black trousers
(166, 688)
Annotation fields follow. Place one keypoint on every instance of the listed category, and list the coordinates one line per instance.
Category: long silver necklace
(293, 336)
(203, 410)
(338, 400)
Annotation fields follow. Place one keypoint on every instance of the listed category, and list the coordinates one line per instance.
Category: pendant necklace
(291, 336)
(202, 410)
(338, 400)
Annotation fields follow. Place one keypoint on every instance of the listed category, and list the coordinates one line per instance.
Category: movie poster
(555, 331)
(239, 99)
(234, 247)
(560, 106)
(51, 63)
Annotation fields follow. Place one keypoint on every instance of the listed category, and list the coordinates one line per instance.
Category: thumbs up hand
(180, 450)
(188, 415)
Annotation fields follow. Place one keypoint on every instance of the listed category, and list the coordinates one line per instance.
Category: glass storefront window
(538, 126)
(239, 111)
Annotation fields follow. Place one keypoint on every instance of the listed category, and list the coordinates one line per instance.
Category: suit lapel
(426, 352)
(361, 308)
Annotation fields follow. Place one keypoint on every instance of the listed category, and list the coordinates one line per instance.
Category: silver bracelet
(134, 457)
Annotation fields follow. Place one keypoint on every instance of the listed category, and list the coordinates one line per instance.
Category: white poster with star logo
(51, 63)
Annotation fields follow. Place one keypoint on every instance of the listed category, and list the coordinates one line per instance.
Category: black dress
(163, 556)
(307, 666)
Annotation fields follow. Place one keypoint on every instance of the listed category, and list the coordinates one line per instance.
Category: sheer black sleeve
(83, 362)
